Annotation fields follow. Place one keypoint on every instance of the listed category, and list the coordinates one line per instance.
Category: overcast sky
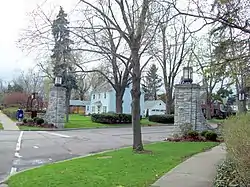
(13, 18)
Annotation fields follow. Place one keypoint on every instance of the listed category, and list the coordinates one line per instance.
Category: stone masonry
(56, 107)
(188, 107)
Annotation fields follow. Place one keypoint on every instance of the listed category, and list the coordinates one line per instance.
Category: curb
(73, 129)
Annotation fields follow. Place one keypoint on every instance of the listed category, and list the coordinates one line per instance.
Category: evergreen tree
(62, 55)
(152, 83)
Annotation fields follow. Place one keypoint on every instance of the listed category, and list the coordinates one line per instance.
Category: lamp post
(58, 81)
(187, 75)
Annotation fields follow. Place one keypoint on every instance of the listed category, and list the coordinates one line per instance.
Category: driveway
(23, 150)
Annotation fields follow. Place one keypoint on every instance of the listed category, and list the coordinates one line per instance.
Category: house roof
(105, 87)
(150, 104)
(78, 103)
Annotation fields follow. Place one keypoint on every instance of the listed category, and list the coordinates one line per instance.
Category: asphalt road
(23, 150)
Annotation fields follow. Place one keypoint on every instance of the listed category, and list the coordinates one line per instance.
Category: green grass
(214, 120)
(117, 168)
(79, 121)
(1, 126)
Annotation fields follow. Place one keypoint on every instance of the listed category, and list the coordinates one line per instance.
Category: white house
(154, 107)
(103, 100)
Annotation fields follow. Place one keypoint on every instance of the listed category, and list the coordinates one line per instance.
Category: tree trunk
(118, 104)
(136, 93)
(208, 106)
(67, 103)
(168, 99)
(82, 97)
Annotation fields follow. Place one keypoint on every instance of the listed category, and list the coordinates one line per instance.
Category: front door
(98, 109)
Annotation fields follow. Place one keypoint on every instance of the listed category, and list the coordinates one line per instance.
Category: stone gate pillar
(56, 107)
(188, 107)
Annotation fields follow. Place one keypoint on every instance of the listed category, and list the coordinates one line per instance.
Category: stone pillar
(188, 107)
(56, 107)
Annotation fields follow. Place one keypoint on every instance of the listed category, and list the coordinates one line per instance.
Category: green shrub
(39, 121)
(211, 136)
(236, 134)
(35, 119)
(30, 120)
(193, 134)
(25, 120)
(203, 133)
(166, 119)
(227, 175)
(112, 118)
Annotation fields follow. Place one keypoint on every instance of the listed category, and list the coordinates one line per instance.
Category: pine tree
(152, 83)
(62, 55)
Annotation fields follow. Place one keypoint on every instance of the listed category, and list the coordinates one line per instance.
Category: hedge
(166, 119)
(111, 118)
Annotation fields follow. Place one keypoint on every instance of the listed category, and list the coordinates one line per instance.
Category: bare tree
(83, 86)
(31, 81)
(231, 13)
(212, 72)
(133, 21)
(171, 48)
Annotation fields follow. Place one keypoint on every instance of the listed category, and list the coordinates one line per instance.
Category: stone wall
(188, 107)
(56, 107)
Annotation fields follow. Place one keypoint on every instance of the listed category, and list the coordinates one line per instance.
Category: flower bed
(36, 122)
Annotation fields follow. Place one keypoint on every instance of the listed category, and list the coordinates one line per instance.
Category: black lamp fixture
(187, 75)
(58, 81)
(241, 95)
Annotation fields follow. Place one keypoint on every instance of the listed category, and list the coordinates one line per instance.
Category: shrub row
(236, 133)
(166, 119)
(112, 118)
(195, 136)
(36, 122)
(227, 175)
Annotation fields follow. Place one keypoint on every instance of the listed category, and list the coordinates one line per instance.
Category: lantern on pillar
(241, 95)
(187, 75)
(58, 81)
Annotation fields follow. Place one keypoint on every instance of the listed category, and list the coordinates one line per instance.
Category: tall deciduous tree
(133, 21)
(212, 71)
(152, 83)
(62, 55)
(171, 48)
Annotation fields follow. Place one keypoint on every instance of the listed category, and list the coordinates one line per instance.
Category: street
(22, 150)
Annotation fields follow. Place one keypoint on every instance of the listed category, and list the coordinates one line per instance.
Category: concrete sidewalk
(7, 123)
(197, 171)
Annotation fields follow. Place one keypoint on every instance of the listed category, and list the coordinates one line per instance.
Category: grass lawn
(214, 120)
(120, 168)
(79, 121)
(1, 126)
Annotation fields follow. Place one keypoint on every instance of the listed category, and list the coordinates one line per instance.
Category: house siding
(110, 101)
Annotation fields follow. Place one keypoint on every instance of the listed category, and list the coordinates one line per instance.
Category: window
(93, 109)
(93, 96)
(104, 109)
(105, 95)
(99, 96)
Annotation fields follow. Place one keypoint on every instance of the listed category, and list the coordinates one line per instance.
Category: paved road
(19, 151)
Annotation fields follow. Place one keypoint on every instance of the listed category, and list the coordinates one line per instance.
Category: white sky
(13, 18)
